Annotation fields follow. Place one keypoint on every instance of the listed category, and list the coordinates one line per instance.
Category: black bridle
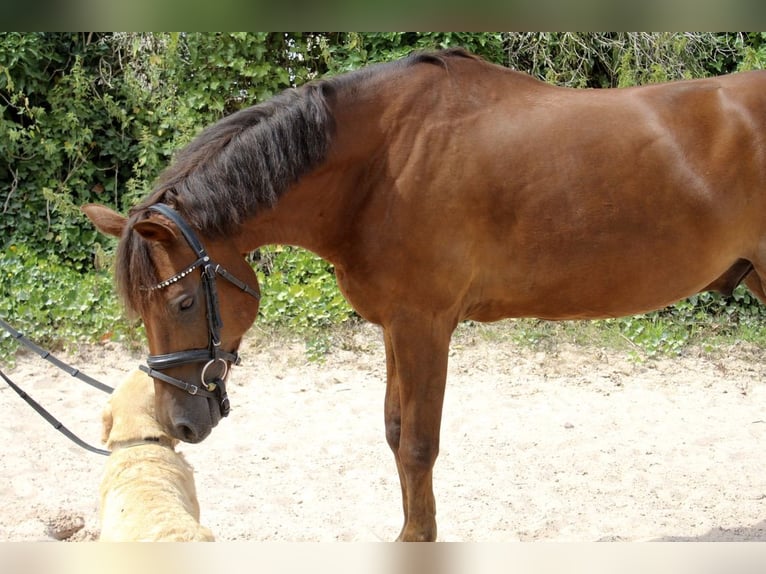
(213, 354)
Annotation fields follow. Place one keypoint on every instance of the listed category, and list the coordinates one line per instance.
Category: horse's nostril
(186, 433)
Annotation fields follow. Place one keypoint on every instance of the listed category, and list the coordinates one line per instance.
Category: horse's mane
(244, 162)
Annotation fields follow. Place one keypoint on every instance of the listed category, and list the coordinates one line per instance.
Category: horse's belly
(580, 288)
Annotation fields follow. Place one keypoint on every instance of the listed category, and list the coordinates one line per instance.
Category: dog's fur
(147, 492)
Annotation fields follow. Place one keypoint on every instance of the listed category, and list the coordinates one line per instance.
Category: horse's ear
(106, 221)
(154, 230)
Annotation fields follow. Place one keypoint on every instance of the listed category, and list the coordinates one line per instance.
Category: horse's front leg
(393, 416)
(416, 356)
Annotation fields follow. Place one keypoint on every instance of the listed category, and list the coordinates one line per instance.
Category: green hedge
(54, 304)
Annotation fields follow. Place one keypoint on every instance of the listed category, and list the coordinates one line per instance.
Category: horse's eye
(186, 303)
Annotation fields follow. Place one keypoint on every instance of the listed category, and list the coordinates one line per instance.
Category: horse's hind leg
(755, 284)
(416, 354)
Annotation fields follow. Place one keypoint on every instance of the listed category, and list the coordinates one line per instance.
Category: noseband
(155, 364)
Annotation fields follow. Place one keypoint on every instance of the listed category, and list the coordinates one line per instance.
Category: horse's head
(196, 296)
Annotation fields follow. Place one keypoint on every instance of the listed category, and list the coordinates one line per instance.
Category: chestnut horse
(443, 188)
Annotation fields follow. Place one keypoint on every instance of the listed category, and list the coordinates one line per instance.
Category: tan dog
(147, 492)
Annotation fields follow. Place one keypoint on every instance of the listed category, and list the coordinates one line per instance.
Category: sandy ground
(567, 444)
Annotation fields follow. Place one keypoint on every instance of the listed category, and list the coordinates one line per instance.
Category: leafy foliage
(302, 293)
(753, 51)
(611, 59)
(52, 303)
(669, 330)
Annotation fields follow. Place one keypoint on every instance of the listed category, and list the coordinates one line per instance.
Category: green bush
(299, 291)
(95, 117)
(611, 59)
(668, 331)
(52, 304)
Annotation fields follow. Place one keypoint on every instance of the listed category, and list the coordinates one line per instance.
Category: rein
(55, 423)
(213, 354)
(53, 360)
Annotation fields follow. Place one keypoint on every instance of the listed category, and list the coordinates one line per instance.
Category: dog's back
(147, 491)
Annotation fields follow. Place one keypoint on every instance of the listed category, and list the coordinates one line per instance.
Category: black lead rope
(55, 423)
(57, 362)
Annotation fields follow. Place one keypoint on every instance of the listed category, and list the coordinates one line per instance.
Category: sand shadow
(755, 533)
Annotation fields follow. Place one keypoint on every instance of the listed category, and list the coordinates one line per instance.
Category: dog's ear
(106, 423)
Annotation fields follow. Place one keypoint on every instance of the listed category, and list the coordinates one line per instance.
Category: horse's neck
(318, 212)
(309, 215)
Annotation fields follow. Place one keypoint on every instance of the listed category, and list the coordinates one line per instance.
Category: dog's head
(129, 414)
